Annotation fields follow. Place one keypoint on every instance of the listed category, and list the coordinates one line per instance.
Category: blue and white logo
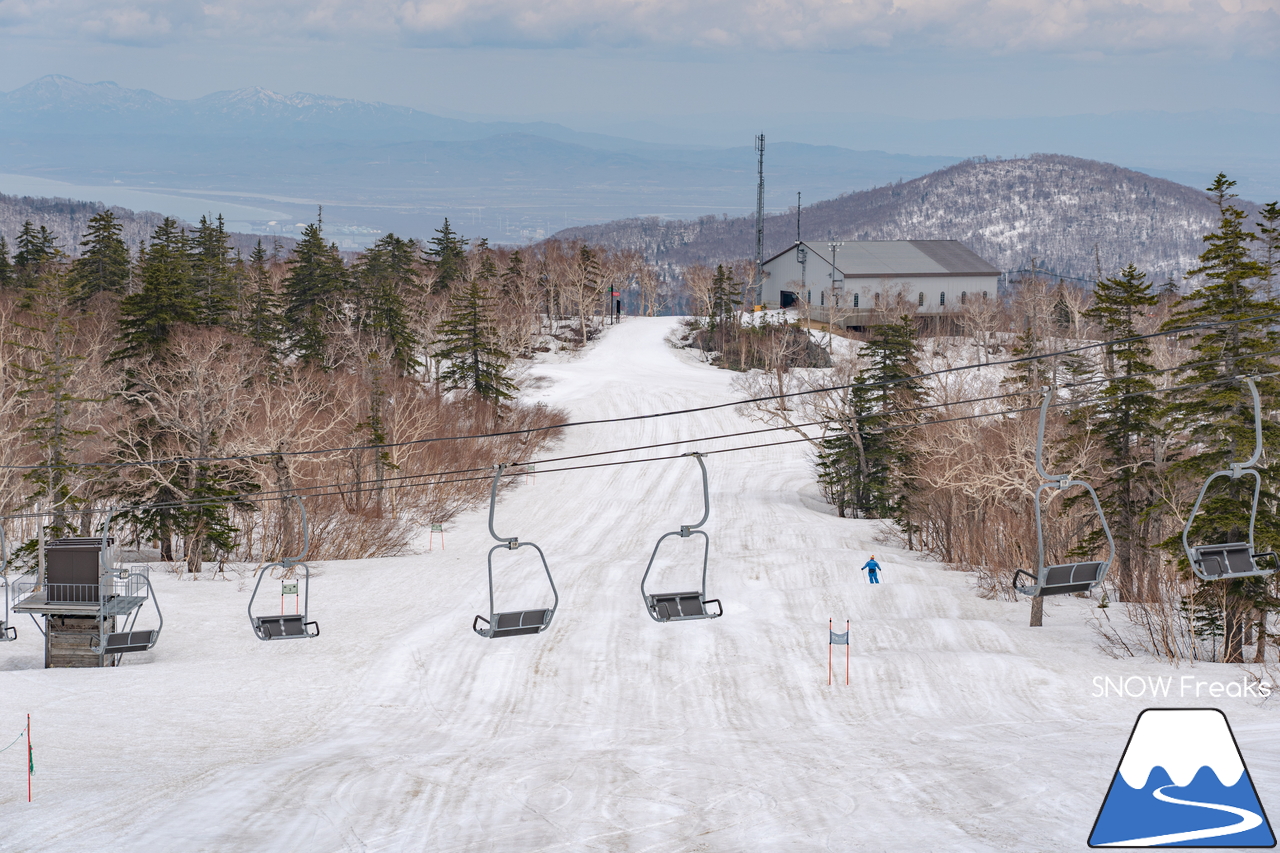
(1182, 783)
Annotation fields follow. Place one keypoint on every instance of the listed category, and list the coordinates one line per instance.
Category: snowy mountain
(395, 168)
(1070, 215)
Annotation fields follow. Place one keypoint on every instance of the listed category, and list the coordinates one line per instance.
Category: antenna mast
(760, 224)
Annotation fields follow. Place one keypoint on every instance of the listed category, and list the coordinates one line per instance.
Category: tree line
(193, 387)
(949, 458)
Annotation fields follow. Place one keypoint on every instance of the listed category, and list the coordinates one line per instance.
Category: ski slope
(401, 730)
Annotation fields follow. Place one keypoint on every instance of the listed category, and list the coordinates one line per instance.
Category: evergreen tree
(314, 288)
(103, 265)
(868, 459)
(446, 254)
(385, 278)
(468, 344)
(1218, 417)
(213, 279)
(1269, 256)
(6, 267)
(1127, 418)
(46, 382)
(262, 323)
(723, 300)
(37, 249)
(166, 300)
(513, 275)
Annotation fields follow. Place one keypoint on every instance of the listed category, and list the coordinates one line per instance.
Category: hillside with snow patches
(1070, 215)
(399, 729)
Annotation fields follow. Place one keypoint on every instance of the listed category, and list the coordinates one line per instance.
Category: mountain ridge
(1069, 214)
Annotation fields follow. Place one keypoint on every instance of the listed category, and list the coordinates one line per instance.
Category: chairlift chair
(287, 626)
(126, 589)
(512, 623)
(1066, 577)
(1233, 559)
(682, 606)
(7, 632)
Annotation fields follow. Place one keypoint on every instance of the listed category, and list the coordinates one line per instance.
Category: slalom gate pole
(830, 622)
(846, 654)
(30, 760)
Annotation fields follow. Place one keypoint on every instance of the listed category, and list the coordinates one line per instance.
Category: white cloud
(1075, 26)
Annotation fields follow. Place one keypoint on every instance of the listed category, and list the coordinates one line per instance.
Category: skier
(873, 569)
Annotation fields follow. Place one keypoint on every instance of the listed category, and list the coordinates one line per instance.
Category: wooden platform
(68, 642)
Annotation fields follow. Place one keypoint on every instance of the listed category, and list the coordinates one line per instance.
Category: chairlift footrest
(288, 627)
(1229, 561)
(129, 641)
(680, 606)
(1062, 580)
(514, 624)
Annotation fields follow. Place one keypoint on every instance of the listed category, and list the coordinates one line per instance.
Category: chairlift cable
(670, 413)
(342, 489)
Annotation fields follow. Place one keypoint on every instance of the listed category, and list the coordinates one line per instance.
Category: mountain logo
(1182, 783)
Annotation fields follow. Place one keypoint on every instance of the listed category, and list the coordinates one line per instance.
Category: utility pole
(797, 217)
(760, 223)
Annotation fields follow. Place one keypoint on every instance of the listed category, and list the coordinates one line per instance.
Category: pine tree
(46, 382)
(166, 299)
(314, 288)
(513, 275)
(1218, 417)
(468, 343)
(37, 250)
(723, 300)
(868, 459)
(385, 278)
(446, 254)
(213, 280)
(6, 266)
(103, 265)
(262, 322)
(1269, 256)
(1127, 418)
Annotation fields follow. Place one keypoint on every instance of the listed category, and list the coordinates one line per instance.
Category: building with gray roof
(859, 283)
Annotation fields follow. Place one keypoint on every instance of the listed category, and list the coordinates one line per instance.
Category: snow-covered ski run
(399, 729)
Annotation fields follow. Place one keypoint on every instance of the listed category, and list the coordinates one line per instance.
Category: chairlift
(682, 606)
(287, 626)
(1233, 559)
(512, 623)
(8, 632)
(121, 590)
(1066, 577)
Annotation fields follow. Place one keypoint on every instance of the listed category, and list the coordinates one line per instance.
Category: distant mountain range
(395, 168)
(1069, 215)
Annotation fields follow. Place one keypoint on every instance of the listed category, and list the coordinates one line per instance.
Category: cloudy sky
(691, 65)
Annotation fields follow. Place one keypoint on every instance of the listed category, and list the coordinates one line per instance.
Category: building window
(822, 298)
(921, 299)
(808, 296)
(984, 294)
(963, 297)
(855, 300)
(942, 297)
(877, 300)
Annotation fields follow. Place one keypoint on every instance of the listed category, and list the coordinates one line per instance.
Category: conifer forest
(194, 386)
